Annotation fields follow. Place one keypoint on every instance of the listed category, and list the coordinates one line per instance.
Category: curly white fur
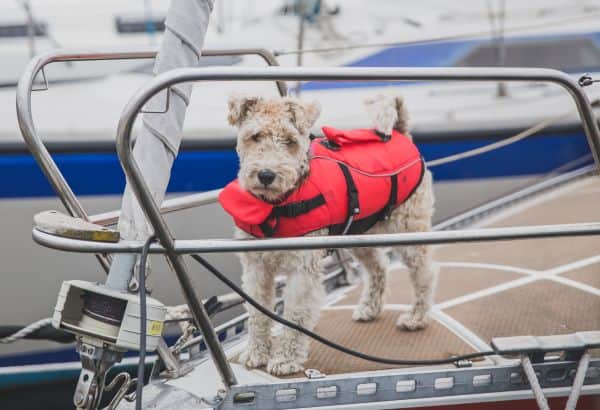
(273, 134)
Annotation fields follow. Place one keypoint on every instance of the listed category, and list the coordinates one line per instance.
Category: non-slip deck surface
(538, 287)
(380, 338)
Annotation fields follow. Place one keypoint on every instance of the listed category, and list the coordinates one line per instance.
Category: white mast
(158, 141)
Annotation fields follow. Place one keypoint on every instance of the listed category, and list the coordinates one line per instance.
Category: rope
(534, 383)
(578, 382)
(499, 144)
(27, 330)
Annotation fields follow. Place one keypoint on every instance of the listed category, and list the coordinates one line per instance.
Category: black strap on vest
(267, 230)
(384, 137)
(353, 204)
(389, 207)
(294, 209)
(290, 210)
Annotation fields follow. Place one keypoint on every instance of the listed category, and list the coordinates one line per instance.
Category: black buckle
(384, 137)
(330, 144)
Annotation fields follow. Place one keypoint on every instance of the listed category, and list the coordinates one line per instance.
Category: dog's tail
(388, 113)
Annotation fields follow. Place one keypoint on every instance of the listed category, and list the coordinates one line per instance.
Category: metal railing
(161, 229)
(34, 141)
(174, 249)
(44, 159)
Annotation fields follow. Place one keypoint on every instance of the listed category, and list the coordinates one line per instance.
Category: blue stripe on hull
(194, 171)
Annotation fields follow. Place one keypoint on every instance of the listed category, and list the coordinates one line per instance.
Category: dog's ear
(303, 114)
(239, 108)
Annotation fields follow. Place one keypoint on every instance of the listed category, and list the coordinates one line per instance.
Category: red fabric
(364, 153)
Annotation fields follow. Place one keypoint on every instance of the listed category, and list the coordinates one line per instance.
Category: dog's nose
(266, 176)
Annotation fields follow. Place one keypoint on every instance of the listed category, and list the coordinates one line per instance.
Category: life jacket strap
(294, 209)
(268, 230)
(384, 137)
(290, 210)
(353, 203)
(389, 207)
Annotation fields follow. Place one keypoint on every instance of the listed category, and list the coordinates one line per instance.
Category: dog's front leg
(258, 282)
(303, 298)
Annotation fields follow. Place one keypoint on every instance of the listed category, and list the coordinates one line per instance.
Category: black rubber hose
(143, 314)
(43, 333)
(328, 342)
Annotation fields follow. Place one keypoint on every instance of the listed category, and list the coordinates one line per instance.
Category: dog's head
(273, 143)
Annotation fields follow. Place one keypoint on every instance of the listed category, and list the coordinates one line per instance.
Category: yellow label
(155, 328)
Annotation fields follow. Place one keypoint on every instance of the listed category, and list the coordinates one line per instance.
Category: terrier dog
(274, 150)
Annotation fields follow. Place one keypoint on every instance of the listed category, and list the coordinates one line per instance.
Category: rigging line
(267, 312)
(26, 331)
(499, 144)
(507, 141)
(464, 36)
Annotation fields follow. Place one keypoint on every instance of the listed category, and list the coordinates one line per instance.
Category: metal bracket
(167, 104)
(586, 80)
(127, 383)
(134, 282)
(45, 86)
(95, 362)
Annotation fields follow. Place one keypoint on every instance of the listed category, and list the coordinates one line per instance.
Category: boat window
(563, 54)
(134, 25)
(40, 29)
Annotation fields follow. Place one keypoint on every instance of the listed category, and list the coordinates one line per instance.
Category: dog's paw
(410, 321)
(253, 358)
(365, 313)
(282, 366)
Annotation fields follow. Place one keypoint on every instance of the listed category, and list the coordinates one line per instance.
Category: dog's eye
(289, 142)
(255, 137)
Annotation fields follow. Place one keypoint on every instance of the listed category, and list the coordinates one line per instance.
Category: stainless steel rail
(182, 247)
(168, 206)
(161, 229)
(35, 143)
(25, 117)
(336, 74)
(42, 156)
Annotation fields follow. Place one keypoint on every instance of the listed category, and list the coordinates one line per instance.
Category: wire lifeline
(143, 314)
(324, 340)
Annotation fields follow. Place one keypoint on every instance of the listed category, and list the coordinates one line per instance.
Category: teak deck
(526, 287)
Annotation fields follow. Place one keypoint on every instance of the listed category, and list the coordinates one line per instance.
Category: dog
(274, 147)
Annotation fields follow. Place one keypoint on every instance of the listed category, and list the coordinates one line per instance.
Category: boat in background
(77, 116)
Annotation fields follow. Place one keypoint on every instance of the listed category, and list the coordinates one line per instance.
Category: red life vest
(357, 177)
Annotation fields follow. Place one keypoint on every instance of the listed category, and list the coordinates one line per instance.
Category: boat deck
(527, 287)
